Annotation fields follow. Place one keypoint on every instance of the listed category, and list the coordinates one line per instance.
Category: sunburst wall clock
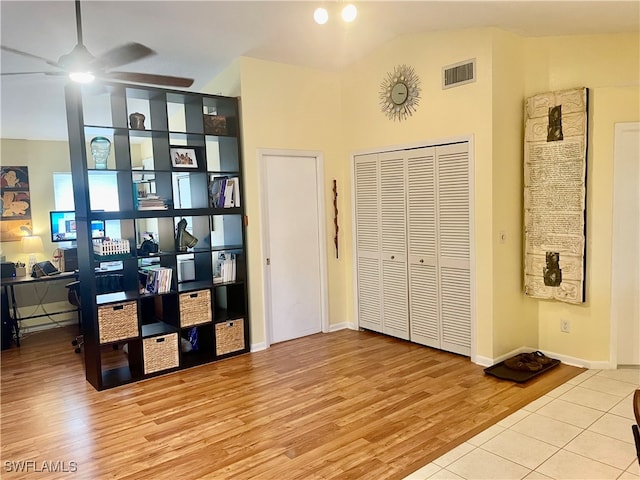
(400, 93)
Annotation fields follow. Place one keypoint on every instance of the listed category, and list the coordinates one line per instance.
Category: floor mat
(500, 370)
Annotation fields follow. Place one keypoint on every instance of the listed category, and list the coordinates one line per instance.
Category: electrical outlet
(565, 326)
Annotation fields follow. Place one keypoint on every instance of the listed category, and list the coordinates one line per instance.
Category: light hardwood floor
(342, 405)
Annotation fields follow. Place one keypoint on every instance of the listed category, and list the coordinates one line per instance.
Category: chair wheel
(78, 350)
(74, 342)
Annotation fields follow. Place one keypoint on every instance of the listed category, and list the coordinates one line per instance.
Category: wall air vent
(459, 74)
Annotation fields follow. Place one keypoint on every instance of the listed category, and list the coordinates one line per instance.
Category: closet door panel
(369, 301)
(367, 203)
(421, 205)
(456, 310)
(424, 315)
(453, 201)
(392, 205)
(394, 298)
(369, 275)
(424, 305)
(393, 242)
(452, 163)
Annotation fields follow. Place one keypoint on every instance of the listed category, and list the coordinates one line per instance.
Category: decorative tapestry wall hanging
(555, 166)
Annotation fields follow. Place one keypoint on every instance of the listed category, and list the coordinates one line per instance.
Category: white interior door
(292, 222)
(625, 254)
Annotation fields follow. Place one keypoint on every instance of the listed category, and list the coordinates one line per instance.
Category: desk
(9, 283)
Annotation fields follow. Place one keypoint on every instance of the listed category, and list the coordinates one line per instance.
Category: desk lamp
(31, 245)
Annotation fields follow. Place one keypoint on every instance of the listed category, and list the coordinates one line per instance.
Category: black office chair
(104, 284)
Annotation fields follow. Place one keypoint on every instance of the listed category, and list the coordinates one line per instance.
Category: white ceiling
(198, 39)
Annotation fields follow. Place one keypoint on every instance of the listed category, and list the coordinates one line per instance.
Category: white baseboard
(49, 319)
(256, 347)
(482, 361)
(26, 329)
(342, 326)
(566, 359)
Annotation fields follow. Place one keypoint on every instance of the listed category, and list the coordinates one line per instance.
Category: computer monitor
(63, 226)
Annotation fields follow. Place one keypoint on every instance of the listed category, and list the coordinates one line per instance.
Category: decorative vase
(100, 149)
(136, 121)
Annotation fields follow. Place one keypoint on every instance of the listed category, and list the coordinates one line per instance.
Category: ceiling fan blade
(30, 55)
(122, 55)
(32, 73)
(164, 80)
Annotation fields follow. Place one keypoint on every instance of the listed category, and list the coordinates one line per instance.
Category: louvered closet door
(424, 316)
(452, 178)
(395, 306)
(369, 275)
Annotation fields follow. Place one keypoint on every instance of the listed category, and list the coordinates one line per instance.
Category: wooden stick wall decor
(335, 215)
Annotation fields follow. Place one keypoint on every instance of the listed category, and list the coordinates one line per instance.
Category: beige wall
(514, 317)
(43, 158)
(609, 66)
(339, 115)
(291, 108)
(441, 114)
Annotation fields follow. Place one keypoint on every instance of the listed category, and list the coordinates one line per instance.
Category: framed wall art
(15, 220)
(184, 158)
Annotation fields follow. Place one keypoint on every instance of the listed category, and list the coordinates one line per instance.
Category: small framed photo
(184, 158)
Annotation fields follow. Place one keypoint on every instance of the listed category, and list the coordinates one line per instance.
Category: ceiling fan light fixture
(82, 77)
(321, 16)
(349, 13)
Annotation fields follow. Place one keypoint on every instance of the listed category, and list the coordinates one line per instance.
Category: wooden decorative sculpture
(335, 214)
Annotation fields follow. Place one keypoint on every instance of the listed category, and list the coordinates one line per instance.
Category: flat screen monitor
(63, 227)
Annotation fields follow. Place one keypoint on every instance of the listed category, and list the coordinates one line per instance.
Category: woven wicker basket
(117, 321)
(229, 336)
(195, 308)
(160, 353)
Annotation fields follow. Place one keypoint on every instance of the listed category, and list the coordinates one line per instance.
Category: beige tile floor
(581, 430)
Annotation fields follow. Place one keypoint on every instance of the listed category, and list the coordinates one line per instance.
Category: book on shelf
(216, 191)
(224, 192)
(155, 279)
(232, 193)
(236, 191)
(225, 268)
(151, 202)
(228, 193)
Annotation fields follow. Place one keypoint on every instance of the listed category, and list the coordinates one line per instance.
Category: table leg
(16, 326)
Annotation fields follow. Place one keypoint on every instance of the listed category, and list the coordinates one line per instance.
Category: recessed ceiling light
(349, 13)
(321, 16)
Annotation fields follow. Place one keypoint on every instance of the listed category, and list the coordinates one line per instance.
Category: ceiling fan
(83, 67)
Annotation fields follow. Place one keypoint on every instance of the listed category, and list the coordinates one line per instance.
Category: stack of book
(225, 268)
(151, 202)
(155, 279)
(224, 192)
